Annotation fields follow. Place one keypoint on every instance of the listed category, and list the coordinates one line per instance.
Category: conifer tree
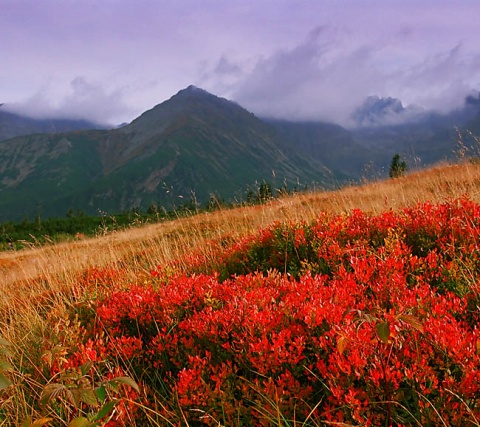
(398, 167)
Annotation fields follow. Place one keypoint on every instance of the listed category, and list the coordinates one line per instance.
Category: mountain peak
(378, 111)
(192, 97)
(189, 104)
(193, 90)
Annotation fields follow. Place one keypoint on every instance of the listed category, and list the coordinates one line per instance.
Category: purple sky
(110, 60)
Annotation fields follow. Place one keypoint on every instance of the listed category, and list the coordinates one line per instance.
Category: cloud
(441, 81)
(321, 78)
(84, 100)
(293, 59)
(332, 72)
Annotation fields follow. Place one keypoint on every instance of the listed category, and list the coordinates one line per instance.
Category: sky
(110, 60)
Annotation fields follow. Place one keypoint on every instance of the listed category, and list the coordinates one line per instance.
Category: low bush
(356, 319)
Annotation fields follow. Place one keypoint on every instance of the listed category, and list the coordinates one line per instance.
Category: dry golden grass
(57, 265)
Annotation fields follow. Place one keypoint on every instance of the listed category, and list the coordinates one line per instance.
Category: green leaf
(86, 367)
(4, 351)
(5, 366)
(104, 410)
(87, 395)
(4, 382)
(27, 422)
(4, 342)
(413, 321)
(79, 422)
(74, 395)
(50, 392)
(125, 380)
(101, 393)
(383, 331)
(40, 422)
(112, 385)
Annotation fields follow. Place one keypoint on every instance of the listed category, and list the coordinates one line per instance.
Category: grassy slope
(39, 278)
(143, 247)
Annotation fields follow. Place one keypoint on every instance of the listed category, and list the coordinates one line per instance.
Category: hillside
(165, 241)
(187, 148)
(332, 145)
(56, 300)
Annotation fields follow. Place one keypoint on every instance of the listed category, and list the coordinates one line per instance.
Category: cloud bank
(84, 100)
(327, 77)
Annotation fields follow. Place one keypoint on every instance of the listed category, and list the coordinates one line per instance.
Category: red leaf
(342, 344)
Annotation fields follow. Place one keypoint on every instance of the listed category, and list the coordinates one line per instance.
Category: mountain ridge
(198, 145)
(194, 144)
(13, 124)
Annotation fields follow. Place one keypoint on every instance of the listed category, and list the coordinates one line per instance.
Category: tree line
(76, 224)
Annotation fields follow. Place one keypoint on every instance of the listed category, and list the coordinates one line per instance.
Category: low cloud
(441, 81)
(329, 75)
(84, 100)
(326, 76)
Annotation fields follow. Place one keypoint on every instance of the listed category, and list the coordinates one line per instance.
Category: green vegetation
(398, 167)
(78, 224)
(73, 225)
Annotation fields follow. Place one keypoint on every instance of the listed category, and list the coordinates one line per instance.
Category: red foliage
(381, 330)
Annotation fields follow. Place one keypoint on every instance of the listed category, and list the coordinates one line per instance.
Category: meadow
(353, 307)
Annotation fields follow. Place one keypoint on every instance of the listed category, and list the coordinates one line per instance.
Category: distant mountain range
(12, 125)
(195, 145)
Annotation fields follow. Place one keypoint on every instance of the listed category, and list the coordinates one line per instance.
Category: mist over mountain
(426, 138)
(12, 125)
(376, 111)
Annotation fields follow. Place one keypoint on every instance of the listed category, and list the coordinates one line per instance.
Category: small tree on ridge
(397, 167)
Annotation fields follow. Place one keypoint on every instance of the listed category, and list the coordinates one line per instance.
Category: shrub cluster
(357, 319)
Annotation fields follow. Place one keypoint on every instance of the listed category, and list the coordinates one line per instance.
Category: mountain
(327, 143)
(424, 138)
(383, 127)
(12, 125)
(376, 111)
(196, 144)
(193, 145)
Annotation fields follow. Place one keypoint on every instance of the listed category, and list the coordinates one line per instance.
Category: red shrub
(375, 323)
